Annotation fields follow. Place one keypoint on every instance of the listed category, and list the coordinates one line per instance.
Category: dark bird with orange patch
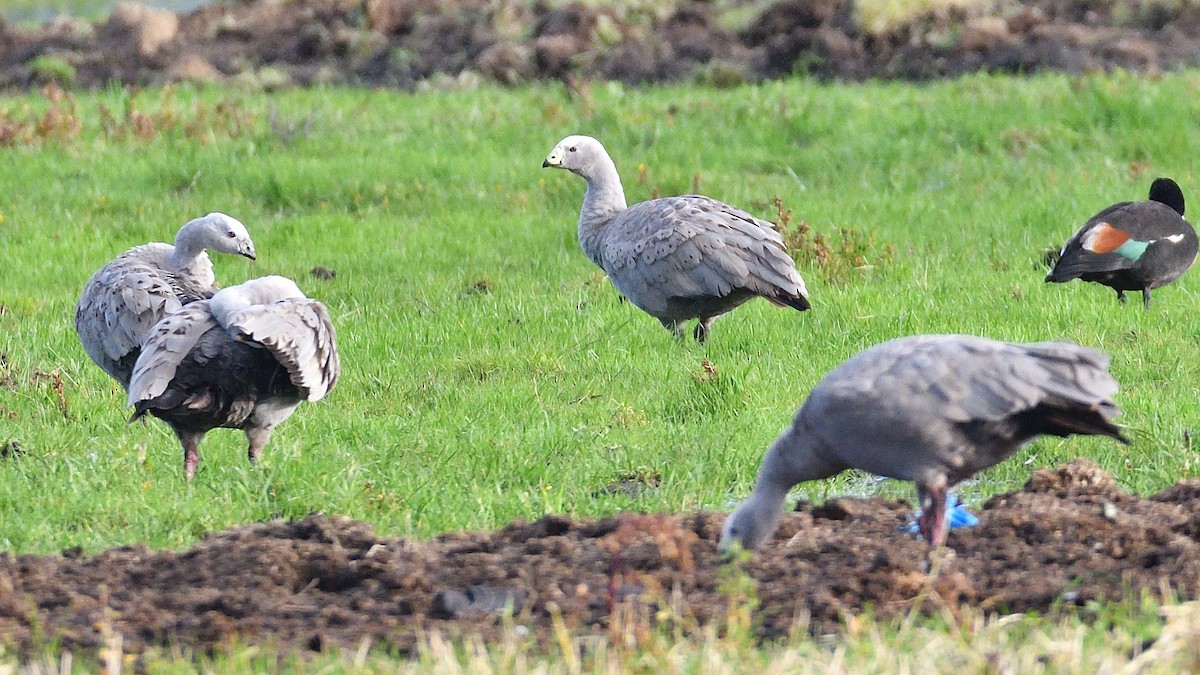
(1132, 246)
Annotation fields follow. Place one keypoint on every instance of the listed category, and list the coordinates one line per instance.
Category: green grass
(461, 409)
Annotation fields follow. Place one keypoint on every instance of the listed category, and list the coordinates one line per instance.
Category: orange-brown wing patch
(1104, 238)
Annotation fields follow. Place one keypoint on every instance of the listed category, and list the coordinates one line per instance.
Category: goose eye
(231, 234)
(572, 149)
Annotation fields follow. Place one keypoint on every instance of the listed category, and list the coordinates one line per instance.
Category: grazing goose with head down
(1132, 246)
(243, 360)
(676, 258)
(125, 298)
(932, 409)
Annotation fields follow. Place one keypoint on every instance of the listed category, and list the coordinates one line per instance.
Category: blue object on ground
(959, 515)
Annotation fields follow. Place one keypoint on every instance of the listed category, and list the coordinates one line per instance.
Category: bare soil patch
(266, 44)
(1070, 536)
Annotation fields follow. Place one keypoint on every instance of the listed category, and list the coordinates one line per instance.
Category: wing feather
(165, 348)
(301, 336)
(1145, 221)
(926, 383)
(694, 246)
(124, 300)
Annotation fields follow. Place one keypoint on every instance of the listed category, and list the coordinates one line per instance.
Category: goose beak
(546, 163)
(248, 251)
(554, 159)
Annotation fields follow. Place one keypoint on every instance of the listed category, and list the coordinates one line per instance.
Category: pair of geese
(931, 409)
(200, 357)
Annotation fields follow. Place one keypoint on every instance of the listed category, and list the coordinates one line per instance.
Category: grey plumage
(124, 299)
(243, 360)
(676, 258)
(932, 409)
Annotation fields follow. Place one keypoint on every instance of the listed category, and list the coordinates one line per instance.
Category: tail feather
(139, 412)
(1078, 262)
(1064, 419)
(795, 301)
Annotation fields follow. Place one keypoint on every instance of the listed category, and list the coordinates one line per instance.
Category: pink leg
(191, 453)
(933, 523)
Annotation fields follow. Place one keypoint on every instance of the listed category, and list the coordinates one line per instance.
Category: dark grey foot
(1121, 296)
(1146, 298)
(676, 327)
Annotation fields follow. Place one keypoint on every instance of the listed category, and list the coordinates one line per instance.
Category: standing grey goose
(932, 409)
(677, 258)
(1132, 246)
(243, 360)
(126, 297)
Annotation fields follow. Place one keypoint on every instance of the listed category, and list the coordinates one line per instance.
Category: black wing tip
(139, 411)
(1078, 264)
(1059, 260)
(1166, 191)
(1107, 428)
(796, 302)
(1063, 272)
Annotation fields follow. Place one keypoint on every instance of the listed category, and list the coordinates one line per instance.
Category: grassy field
(489, 371)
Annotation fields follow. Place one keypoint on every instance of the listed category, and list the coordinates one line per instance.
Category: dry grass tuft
(60, 121)
(834, 256)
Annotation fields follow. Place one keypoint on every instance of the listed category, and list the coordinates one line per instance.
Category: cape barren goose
(932, 409)
(1132, 246)
(126, 297)
(243, 360)
(677, 258)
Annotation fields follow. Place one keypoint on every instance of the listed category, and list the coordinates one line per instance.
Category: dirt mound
(1069, 537)
(266, 43)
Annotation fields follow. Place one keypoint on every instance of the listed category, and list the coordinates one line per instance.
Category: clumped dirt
(1068, 537)
(267, 44)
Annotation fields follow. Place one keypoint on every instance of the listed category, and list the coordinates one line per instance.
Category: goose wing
(170, 341)
(694, 246)
(301, 336)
